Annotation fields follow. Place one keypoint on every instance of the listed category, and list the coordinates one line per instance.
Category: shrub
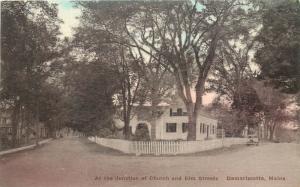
(141, 133)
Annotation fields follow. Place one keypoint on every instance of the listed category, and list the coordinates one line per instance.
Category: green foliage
(246, 99)
(29, 33)
(29, 37)
(279, 54)
(141, 133)
(92, 86)
(28, 41)
(176, 36)
(102, 33)
(52, 108)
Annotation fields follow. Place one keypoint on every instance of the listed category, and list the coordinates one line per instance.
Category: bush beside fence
(166, 147)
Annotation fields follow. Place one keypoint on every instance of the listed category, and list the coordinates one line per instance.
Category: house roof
(207, 115)
(165, 106)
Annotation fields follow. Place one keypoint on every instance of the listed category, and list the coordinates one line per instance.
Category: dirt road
(76, 162)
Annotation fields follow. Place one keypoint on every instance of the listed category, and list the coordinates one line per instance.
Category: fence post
(159, 147)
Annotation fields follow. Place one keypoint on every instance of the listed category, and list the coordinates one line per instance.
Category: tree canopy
(29, 40)
(90, 97)
(128, 53)
(279, 53)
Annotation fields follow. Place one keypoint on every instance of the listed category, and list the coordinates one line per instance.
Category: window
(201, 127)
(179, 111)
(184, 127)
(204, 128)
(173, 113)
(171, 127)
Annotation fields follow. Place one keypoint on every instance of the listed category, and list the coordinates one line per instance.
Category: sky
(68, 13)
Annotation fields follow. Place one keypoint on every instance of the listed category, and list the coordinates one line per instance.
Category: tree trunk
(192, 122)
(21, 126)
(271, 134)
(126, 131)
(272, 131)
(37, 129)
(153, 121)
(15, 123)
(154, 112)
(194, 110)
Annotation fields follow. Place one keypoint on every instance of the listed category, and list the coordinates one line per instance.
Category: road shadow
(219, 151)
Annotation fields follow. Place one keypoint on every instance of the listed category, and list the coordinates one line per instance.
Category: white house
(171, 123)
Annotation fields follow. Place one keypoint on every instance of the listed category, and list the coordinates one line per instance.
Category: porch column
(153, 130)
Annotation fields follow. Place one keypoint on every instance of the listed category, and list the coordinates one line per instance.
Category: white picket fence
(166, 147)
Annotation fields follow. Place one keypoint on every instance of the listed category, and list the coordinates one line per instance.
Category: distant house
(171, 122)
(6, 128)
(5, 121)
